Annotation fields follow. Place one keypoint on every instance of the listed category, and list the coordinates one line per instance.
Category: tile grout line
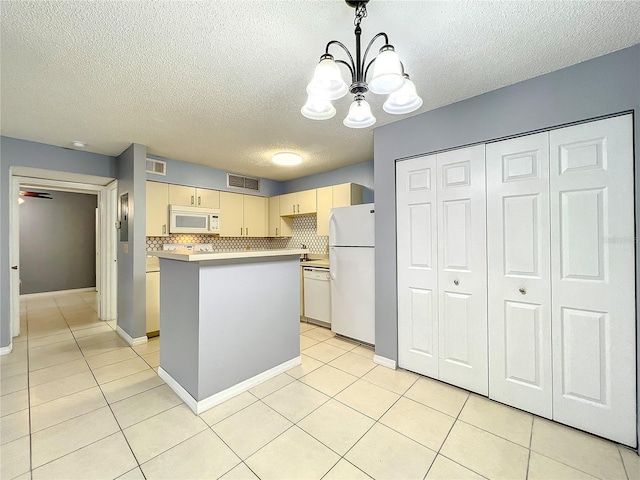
(530, 443)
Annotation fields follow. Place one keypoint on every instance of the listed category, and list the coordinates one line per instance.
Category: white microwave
(203, 221)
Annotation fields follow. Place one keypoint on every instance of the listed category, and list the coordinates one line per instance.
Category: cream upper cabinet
(231, 214)
(191, 196)
(207, 198)
(298, 203)
(341, 195)
(243, 215)
(157, 209)
(278, 226)
(255, 216)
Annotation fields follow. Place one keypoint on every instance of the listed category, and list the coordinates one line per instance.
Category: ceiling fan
(45, 195)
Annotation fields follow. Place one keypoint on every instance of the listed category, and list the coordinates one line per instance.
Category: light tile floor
(77, 402)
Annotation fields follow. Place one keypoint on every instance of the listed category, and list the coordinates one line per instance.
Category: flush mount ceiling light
(388, 78)
(288, 159)
(78, 144)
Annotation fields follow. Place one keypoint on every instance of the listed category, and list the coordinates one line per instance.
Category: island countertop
(191, 256)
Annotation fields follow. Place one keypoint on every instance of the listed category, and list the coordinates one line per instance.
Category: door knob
(456, 282)
(15, 267)
(522, 291)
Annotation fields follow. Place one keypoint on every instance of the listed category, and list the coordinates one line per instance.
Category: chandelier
(388, 78)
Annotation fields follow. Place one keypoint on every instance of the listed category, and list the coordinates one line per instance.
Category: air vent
(246, 183)
(156, 167)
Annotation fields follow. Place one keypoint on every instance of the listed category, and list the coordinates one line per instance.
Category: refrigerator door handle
(333, 266)
(332, 220)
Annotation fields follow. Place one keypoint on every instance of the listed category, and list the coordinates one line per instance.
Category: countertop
(190, 256)
(315, 263)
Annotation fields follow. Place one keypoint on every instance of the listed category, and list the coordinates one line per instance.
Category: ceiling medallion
(388, 78)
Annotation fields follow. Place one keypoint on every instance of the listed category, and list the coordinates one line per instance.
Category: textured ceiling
(221, 83)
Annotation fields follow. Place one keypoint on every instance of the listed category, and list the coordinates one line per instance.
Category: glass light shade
(327, 82)
(317, 109)
(387, 72)
(286, 159)
(360, 115)
(403, 100)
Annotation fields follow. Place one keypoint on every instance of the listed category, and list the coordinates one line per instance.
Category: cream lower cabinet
(243, 215)
(157, 210)
(278, 226)
(153, 303)
(196, 197)
(327, 198)
(298, 203)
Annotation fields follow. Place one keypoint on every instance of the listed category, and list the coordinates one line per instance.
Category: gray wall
(361, 173)
(57, 242)
(132, 293)
(194, 175)
(603, 86)
(15, 152)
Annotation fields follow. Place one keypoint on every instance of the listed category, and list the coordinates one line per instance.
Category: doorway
(106, 243)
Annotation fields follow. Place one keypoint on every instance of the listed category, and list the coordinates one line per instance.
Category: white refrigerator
(351, 260)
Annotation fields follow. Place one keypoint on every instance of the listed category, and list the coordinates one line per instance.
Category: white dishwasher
(317, 295)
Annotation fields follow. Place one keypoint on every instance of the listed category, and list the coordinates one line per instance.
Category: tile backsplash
(304, 232)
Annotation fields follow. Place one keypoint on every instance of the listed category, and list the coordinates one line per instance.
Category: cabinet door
(231, 214)
(207, 198)
(462, 269)
(519, 273)
(255, 216)
(347, 194)
(181, 195)
(306, 202)
(274, 217)
(288, 204)
(157, 209)
(153, 301)
(324, 199)
(593, 278)
(417, 265)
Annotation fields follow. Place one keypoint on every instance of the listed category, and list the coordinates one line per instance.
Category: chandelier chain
(361, 12)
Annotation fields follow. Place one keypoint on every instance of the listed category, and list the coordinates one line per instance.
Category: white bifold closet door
(462, 268)
(518, 241)
(417, 265)
(593, 277)
(442, 292)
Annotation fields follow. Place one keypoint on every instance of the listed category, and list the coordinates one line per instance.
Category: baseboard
(201, 406)
(58, 292)
(384, 361)
(127, 338)
(6, 350)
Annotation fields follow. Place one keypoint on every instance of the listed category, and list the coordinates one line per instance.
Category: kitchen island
(229, 321)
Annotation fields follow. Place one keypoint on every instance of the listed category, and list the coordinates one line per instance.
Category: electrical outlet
(125, 248)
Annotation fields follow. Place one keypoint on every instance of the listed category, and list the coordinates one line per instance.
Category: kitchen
(547, 103)
(204, 221)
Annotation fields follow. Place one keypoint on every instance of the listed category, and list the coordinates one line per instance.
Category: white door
(417, 265)
(353, 292)
(519, 281)
(462, 268)
(593, 277)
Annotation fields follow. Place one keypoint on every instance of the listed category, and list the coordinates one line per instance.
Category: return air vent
(156, 167)
(247, 183)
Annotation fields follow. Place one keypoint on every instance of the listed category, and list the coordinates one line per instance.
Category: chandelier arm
(352, 67)
(348, 66)
(366, 52)
(367, 69)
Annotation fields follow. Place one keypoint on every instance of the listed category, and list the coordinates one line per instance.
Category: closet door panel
(593, 278)
(462, 286)
(417, 265)
(519, 273)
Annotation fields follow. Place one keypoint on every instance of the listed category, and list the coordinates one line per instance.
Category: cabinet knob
(456, 282)
(523, 291)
